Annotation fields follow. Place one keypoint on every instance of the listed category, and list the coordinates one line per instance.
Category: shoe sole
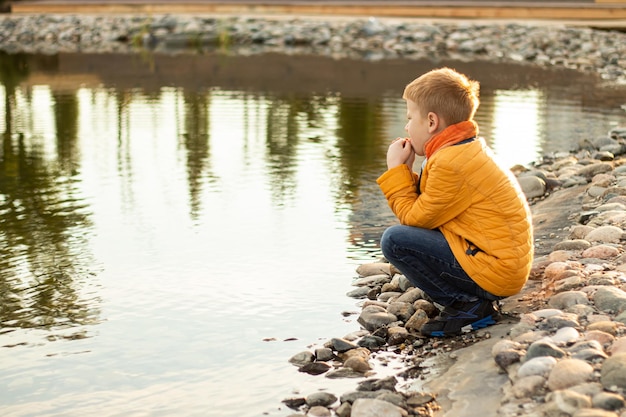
(480, 324)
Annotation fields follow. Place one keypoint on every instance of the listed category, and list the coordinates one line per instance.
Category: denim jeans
(426, 260)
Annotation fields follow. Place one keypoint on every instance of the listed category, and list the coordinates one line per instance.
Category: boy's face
(418, 127)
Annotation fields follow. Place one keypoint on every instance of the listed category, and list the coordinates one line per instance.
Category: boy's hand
(400, 152)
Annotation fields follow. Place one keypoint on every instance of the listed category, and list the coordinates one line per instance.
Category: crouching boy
(465, 232)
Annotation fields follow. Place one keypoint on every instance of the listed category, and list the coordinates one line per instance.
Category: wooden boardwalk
(613, 11)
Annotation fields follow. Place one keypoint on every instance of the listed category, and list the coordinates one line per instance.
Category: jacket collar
(451, 135)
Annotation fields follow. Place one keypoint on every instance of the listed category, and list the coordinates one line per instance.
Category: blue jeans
(426, 260)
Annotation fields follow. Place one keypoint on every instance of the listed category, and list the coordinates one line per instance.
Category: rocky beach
(559, 348)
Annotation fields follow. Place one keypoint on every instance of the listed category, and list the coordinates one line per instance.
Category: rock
(602, 337)
(532, 186)
(541, 366)
(302, 358)
(324, 354)
(587, 412)
(565, 335)
(569, 401)
(569, 372)
(315, 368)
(396, 335)
(610, 299)
(618, 346)
(373, 317)
(318, 411)
(374, 268)
(357, 364)
(341, 345)
(589, 171)
(572, 245)
(601, 252)
(567, 299)
(344, 410)
(560, 321)
(417, 320)
(614, 372)
(555, 269)
(385, 384)
(371, 281)
(608, 401)
(411, 296)
(364, 407)
(506, 358)
(360, 292)
(343, 373)
(605, 326)
(579, 231)
(402, 310)
(371, 342)
(529, 386)
(324, 399)
(605, 234)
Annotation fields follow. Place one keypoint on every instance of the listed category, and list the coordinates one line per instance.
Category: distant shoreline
(540, 44)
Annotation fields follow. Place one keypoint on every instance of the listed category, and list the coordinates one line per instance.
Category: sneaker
(460, 318)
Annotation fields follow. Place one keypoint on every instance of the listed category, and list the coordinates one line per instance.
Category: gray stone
(605, 234)
(402, 310)
(567, 299)
(324, 354)
(529, 386)
(593, 412)
(374, 268)
(541, 365)
(375, 317)
(324, 399)
(608, 401)
(385, 384)
(589, 171)
(573, 244)
(569, 401)
(569, 372)
(613, 372)
(318, 411)
(302, 358)
(610, 299)
(360, 292)
(411, 295)
(532, 186)
(341, 345)
(372, 280)
(364, 407)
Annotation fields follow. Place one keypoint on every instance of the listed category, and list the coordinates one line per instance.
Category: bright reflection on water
(169, 241)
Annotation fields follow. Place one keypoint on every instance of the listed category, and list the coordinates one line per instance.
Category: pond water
(174, 228)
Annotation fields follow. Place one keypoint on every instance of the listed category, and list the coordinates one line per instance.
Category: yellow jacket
(477, 205)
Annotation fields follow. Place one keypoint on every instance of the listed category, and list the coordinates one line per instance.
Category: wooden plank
(554, 10)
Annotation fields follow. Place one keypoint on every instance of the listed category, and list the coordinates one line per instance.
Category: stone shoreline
(546, 44)
(560, 346)
(562, 343)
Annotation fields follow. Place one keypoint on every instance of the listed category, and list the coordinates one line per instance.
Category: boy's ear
(434, 122)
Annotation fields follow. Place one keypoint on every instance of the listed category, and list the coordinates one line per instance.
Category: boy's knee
(386, 240)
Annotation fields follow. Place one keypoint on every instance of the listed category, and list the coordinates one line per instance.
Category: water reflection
(165, 217)
(44, 220)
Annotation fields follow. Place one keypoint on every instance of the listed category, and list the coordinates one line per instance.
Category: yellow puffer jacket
(478, 206)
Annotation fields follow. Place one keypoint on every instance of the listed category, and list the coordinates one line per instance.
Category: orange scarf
(450, 135)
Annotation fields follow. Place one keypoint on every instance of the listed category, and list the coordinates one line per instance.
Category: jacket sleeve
(443, 197)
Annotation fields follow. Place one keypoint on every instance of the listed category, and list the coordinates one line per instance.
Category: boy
(465, 236)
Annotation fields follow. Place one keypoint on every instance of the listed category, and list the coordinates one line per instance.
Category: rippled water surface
(174, 229)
